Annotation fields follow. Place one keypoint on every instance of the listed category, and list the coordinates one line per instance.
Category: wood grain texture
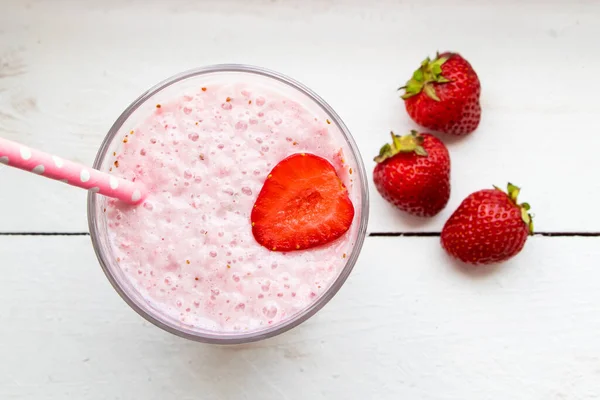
(411, 328)
(67, 70)
(408, 324)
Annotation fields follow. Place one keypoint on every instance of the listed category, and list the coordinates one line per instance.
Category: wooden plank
(408, 324)
(66, 76)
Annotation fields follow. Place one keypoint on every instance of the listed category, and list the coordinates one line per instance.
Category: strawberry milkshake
(204, 153)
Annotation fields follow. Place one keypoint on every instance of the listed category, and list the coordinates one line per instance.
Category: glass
(139, 110)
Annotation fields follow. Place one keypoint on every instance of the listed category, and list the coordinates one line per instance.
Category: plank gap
(372, 234)
(437, 234)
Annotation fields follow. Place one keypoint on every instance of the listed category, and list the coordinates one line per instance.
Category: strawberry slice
(302, 204)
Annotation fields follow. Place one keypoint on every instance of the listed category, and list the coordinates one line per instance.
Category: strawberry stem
(410, 143)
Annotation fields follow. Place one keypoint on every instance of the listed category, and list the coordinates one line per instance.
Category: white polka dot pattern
(84, 175)
(114, 183)
(25, 153)
(57, 161)
(53, 167)
(136, 196)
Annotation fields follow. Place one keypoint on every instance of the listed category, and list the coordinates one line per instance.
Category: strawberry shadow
(403, 220)
(473, 271)
(450, 140)
(412, 221)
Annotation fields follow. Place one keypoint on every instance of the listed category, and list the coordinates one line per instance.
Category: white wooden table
(408, 324)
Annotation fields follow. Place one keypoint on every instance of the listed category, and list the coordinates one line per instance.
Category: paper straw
(53, 167)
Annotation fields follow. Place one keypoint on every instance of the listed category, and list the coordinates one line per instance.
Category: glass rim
(299, 317)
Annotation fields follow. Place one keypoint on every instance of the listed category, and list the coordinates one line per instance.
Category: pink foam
(189, 250)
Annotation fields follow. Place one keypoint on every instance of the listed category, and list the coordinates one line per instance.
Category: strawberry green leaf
(525, 216)
(418, 75)
(396, 141)
(418, 138)
(402, 144)
(419, 150)
(408, 95)
(513, 191)
(436, 65)
(430, 91)
(528, 219)
(531, 225)
(384, 153)
(413, 87)
(424, 77)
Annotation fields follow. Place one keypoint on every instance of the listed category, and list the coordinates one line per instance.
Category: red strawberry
(413, 173)
(488, 227)
(302, 204)
(443, 95)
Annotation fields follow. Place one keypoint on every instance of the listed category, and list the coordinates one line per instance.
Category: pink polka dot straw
(53, 167)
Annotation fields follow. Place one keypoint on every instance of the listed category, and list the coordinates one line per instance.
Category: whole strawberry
(488, 227)
(413, 173)
(443, 95)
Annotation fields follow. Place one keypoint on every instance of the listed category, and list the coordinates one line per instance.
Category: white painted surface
(408, 324)
(415, 328)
